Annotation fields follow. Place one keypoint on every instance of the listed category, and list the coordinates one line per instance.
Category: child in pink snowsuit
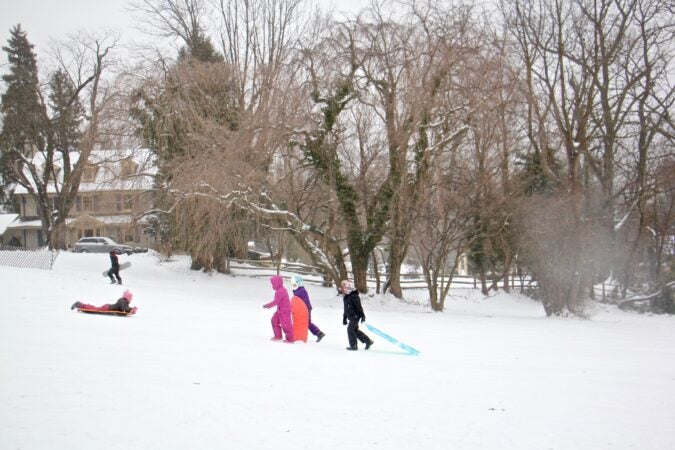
(282, 317)
(121, 305)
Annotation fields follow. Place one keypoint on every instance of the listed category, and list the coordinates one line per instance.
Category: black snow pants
(353, 333)
(115, 270)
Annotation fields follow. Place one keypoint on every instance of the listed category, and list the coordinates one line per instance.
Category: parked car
(100, 245)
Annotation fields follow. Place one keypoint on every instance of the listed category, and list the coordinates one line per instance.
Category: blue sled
(384, 335)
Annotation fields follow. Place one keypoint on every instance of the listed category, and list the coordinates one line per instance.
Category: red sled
(110, 313)
(300, 318)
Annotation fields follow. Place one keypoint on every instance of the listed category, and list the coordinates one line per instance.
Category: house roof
(5, 221)
(109, 174)
(73, 221)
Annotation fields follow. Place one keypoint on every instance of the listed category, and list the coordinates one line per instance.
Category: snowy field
(195, 369)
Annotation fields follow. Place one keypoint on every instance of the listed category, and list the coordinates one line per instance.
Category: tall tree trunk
(508, 258)
(376, 273)
(59, 234)
(360, 270)
(397, 254)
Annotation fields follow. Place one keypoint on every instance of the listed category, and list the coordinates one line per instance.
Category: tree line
(530, 135)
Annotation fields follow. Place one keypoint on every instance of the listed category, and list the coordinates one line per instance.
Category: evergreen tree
(534, 179)
(200, 48)
(67, 112)
(24, 115)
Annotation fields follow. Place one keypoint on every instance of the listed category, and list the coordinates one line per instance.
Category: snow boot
(369, 343)
(352, 348)
(320, 336)
(75, 305)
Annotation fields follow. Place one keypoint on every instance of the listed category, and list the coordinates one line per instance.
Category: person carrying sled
(281, 319)
(114, 268)
(353, 312)
(121, 305)
(297, 284)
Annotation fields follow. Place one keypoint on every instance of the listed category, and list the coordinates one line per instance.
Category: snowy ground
(195, 369)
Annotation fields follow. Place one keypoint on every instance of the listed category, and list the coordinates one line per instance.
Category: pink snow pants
(281, 321)
(105, 307)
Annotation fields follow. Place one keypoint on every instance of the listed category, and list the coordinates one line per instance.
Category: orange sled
(300, 318)
(110, 313)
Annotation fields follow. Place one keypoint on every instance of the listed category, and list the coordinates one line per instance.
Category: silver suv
(100, 245)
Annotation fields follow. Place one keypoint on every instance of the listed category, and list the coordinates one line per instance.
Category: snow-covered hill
(195, 369)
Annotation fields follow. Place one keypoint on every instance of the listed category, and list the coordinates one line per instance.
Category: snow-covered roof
(110, 175)
(25, 224)
(108, 220)
(6, 220)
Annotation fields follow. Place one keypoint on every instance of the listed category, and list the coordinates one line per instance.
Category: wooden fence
(408, 280)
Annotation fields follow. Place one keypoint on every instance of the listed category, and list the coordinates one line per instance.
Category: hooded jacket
(123, 303)
(281, 300)
(114, 261)
(120, 305)
(302, 294)
(353, 309)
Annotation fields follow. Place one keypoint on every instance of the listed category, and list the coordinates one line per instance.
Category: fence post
(603, 293)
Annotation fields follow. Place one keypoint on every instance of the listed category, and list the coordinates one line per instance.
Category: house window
(125, 202)
(89, 232)
(87, 203)
(89, 174)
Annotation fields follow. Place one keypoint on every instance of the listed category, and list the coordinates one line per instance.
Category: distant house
(115, 191)
(5, 221)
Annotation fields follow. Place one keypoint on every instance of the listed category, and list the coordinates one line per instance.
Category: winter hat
(347, 285)
(297, 280)
(128, 295)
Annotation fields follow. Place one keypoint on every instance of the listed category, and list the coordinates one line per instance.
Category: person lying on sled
(121, 305)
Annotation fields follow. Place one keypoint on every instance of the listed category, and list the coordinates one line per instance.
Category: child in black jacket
(114, 268)
(353, 312)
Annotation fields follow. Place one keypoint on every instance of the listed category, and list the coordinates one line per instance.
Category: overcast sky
(48, 19)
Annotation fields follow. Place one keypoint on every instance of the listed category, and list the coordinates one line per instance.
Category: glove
(344, 321)
(363, 319)
(264, 306)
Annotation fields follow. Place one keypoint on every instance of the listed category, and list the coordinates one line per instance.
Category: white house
(115, 191)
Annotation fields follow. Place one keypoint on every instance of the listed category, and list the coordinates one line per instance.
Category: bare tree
(650, 96)
(85, 59)
(442, 231)
(69, 116)
(490, 89)
(405, 64)
(222, 121)
(257, 37)
(587, 66)
(185, 20)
